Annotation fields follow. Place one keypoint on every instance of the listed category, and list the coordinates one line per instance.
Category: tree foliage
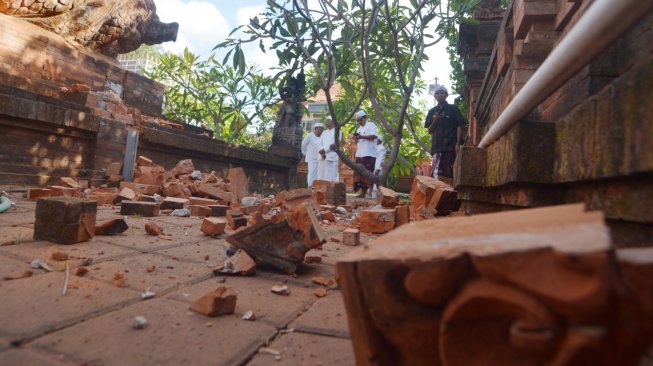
(229, 100)
(374, 49)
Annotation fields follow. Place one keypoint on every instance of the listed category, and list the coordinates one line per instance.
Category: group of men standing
(444, 122)
(321, 159)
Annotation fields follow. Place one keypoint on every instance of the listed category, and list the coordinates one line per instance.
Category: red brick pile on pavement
(429, 198)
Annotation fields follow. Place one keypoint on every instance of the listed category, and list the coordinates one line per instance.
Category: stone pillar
(287, 135)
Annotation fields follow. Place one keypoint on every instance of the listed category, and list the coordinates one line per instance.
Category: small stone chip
(139, 322)
(320, 292)
(280, 289)
(249, 315)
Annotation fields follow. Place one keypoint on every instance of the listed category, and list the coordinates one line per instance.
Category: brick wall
(590, 141)
(49, 129)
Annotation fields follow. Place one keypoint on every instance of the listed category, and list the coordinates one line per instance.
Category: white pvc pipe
(603, 22)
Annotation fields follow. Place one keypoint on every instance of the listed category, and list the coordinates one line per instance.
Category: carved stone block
(528, 287)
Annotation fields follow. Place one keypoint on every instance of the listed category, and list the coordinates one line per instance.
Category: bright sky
(205, 23)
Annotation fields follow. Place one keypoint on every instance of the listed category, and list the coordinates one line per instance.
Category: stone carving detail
(531, 287)
(111, 27)
(287, 136)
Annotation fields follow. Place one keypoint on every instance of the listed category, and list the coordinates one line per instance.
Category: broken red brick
(64, 220)
(148, 189)
(303, 219)
(320, 292)
(402, 215)
(387, 197)
(239, 183)
(111, 227)
(202, 211)
(184, 167)
(377, 221)
(68, 182)
(239, 263)
(18, 275)
(312, 259)
(143, 161)
(202, 201)
(143, 209)
(236, 222)
(218, 302)
(127, 194)
(214, 192)
(218, 210)
(81, 271)
(213, 226)
(351, 237)
(56, 191)
(327, 215)
(173, 203)
(153, 229)
(34, 194)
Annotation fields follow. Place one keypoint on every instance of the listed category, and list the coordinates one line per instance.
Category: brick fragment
(64, 220)
(213, 226)
(214, 192)
(320, 292)
(148, 189)
(68, 182)
(103, 196)
(202, 201)
(153, 229)
(376, 221)
(34, 194)
(402, 215)
(143, 209)
(64, 191)
(240, 263)
(127, 194)
(351, 237)
(303, 219)
(143, 161)
(387, 197)
(236, 222)
(202, 211)
(276, 244)
(218, 210)
(111, 227)
(173, 203)
(146, 198)
(184, 167)
(218, 302)
(239, 183)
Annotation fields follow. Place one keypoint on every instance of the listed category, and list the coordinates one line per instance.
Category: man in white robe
(378, 164)
(328, 163)
(311, 146)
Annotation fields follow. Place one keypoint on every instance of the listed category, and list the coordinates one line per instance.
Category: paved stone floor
(91, 323)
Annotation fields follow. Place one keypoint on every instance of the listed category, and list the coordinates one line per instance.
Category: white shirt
(380, 156)
(311, 146)
(328, 139)
(366, 147)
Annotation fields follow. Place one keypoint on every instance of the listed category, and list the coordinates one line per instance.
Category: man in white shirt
(311, 146)
(328, 165)
(365, 137)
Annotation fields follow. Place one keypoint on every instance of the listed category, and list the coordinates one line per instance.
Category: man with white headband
(328, 163)
(365, 137)
(311, 146)
(445, 123)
